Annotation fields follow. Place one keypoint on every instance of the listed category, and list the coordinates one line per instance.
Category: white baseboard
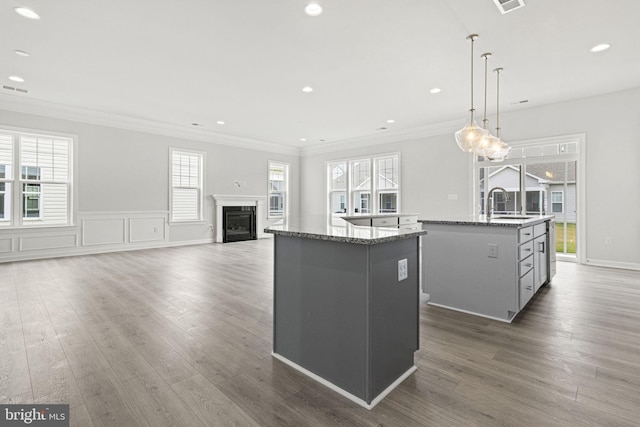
(469, 312)
(613, 264)
(93, 250)
(343, 392)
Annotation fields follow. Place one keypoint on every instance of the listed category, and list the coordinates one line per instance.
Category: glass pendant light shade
(468, 137)
(500, 152)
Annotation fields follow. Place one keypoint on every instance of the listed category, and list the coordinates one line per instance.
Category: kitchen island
(346, 303)
(490, 268)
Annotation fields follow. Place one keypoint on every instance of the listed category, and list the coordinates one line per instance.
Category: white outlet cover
(403, 269)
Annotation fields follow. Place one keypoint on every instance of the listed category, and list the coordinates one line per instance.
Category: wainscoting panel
(48, 242)
(6, 245)
(103, 231)
(146, 229)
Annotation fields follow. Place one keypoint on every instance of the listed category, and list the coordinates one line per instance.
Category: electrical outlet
(403, 269)
(492, 250)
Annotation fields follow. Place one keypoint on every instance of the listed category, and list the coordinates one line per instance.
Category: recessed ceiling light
(303, 139)
(307, 89)
(220, 122)
(16, 79)
(600, 47)
(436, 90)
(21, 52)
(27, 13)
(391, 121)
(313, 9)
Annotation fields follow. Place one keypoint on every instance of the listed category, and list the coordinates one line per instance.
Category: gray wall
(433, 168)
(125, 171)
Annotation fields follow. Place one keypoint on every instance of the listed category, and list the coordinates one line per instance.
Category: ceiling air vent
(15, 89)
(508, 5)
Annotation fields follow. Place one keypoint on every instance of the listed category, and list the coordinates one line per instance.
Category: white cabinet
(409, 221)
(540, 261)
(532, 256)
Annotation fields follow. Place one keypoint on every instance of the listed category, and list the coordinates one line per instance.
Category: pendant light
(467, 136)
(487, 142)
(502, 149)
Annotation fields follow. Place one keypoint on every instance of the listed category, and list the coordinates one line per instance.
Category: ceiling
(245, 62)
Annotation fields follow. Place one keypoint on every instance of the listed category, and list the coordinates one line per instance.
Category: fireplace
(238, 223)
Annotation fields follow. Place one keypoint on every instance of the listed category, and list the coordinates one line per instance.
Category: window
(387, 172)
(368, 185)
(541, 177)
(337, 188)
(41, 193)
(186, 186)
(278, 189)
(557, 202)
(361, 185)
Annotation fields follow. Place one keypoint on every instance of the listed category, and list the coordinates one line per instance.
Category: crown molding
(386, 137)
(83, 115)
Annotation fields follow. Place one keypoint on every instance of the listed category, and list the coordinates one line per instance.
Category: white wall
(123, 189)
(433, 168)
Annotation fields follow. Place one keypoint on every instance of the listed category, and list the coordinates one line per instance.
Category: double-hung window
(278, 189)
(364, 185)
(186, 186)
(557, 202)
(38, 191)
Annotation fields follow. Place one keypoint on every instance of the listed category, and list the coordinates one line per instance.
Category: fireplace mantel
(235, 200)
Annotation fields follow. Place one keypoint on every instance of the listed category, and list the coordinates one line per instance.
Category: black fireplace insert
(238, 223)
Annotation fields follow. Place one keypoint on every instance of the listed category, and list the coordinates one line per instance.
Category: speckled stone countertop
(382, 215)
(497, 221)
(336, 229)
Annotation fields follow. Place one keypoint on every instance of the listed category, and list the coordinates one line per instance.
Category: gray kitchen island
(346, 303)
(487, 267)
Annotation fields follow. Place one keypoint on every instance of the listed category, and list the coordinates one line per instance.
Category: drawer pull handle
(527, 249)
(528, 288)
(527, 265)
(527, 234)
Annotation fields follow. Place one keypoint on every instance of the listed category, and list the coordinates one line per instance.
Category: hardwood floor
(182, 337)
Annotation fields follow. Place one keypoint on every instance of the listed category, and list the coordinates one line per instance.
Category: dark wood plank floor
(182, 337)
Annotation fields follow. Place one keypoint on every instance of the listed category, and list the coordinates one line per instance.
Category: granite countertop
(336, 229)
(382, 215)
(498, 221)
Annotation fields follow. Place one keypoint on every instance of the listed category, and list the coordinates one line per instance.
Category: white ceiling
(246, 61)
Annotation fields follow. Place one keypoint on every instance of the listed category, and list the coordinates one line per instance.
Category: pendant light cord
(497, 70)
(484, 120)
(472, 37)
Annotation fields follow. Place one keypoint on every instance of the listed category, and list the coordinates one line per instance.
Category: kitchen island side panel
(394, 312)
(320, 315)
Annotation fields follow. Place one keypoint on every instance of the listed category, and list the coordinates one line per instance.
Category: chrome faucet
(489, 210)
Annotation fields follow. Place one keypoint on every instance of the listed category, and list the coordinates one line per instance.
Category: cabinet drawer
(411, 219)
(526, 289)
(539, 229)
(384, 222)
(525, 265)
(360, 221)
(525, 234)
(415, 227)
(525, 250)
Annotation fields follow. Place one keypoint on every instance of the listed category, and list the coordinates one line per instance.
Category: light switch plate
(403, 269)
(493, 250)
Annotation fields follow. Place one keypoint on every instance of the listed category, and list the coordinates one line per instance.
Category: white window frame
(374, 191)
(284, 192)
(561, 201)
(16, 182)
(200, 186)
(579, 156)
